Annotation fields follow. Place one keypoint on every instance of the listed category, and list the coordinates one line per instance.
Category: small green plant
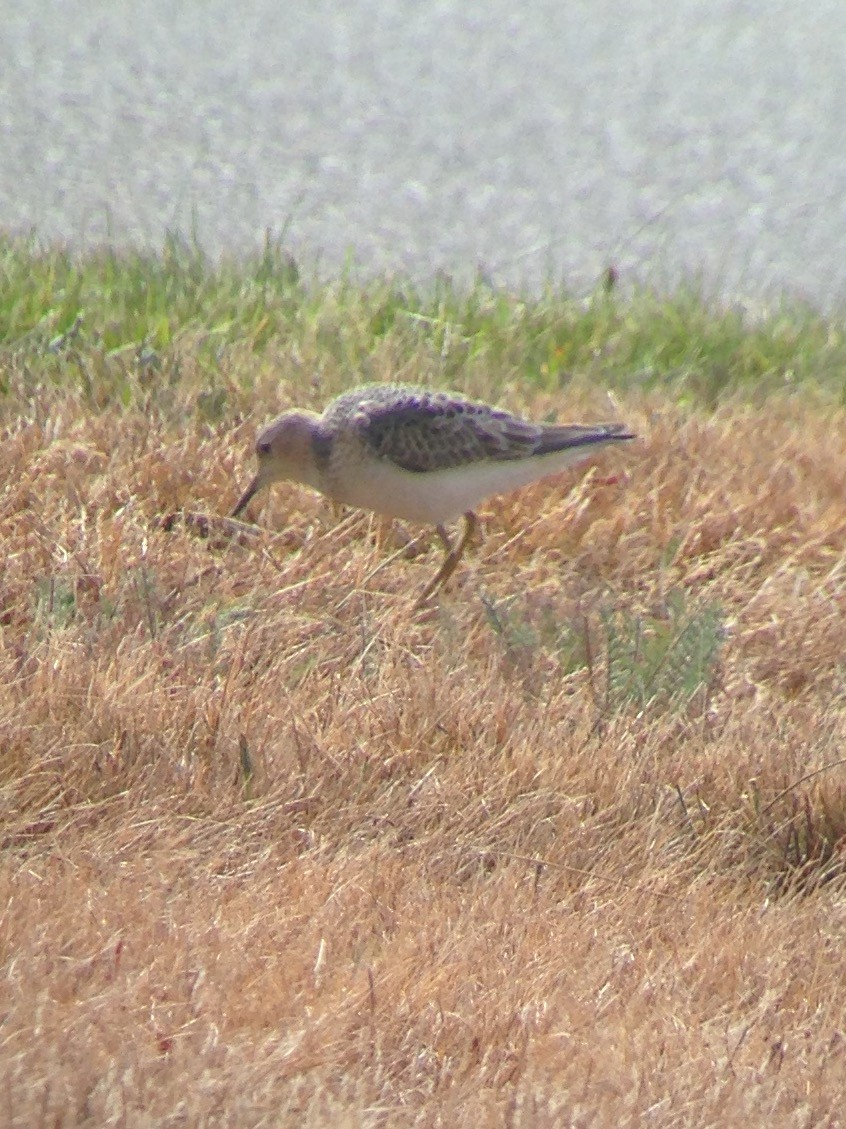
(659, 660)
(514, 630)
(55, 602)
(648, 661)
(523, 632)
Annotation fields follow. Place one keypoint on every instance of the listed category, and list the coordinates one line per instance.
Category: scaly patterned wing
(423, 431)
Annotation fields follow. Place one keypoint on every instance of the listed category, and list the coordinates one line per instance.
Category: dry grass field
(567, 848)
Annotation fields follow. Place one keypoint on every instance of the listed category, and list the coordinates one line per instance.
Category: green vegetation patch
(108, 313)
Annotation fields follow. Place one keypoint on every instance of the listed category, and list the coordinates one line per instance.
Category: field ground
(567, 848)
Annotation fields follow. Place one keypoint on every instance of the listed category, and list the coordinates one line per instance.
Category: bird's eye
(263, 448)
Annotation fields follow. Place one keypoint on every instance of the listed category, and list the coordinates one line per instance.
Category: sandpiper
(420, 455)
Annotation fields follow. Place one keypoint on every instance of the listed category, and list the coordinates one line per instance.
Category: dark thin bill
(246, 496)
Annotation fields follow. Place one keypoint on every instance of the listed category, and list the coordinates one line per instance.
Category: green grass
(115, 321)
(660, 661)
(653, 663)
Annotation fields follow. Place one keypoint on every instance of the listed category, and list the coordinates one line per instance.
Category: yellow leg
(453, 556)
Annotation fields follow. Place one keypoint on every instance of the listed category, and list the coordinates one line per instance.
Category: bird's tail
(564, 437)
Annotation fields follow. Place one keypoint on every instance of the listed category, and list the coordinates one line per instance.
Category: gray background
(692, 138)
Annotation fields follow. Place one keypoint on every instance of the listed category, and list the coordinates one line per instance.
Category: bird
(422, 455)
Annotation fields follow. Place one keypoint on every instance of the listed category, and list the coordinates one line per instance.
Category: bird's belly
(439, 496)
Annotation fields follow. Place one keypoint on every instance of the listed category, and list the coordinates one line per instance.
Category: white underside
(439, 496)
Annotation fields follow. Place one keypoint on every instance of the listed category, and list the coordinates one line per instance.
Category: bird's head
(284, 452)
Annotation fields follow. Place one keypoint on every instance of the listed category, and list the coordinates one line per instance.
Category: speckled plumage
(417, 454)
(422, 430)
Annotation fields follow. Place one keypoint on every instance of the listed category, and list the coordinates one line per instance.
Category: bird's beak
(245, 498)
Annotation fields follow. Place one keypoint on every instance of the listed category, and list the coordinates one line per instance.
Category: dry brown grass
(278, 850)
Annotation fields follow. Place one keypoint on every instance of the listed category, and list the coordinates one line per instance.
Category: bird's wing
(421, 430)
(427, 431)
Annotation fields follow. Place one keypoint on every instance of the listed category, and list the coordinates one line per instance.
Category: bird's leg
(471, 523)
(453, 556)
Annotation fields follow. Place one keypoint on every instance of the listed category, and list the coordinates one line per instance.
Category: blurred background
(700, 141)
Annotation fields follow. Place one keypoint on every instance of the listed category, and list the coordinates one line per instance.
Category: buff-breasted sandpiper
(419, 455)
